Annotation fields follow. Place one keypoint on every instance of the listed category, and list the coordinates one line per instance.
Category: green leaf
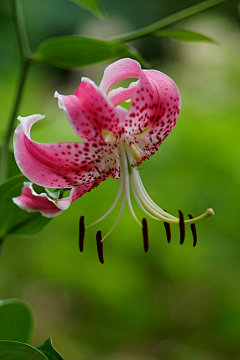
(16, 320)
(47, 349)
(184, 35)
(90, 5)
(13, 220)
(78, 51)
(13, 350)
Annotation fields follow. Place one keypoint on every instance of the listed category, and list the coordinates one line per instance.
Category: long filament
(119, 216)
(125, 170)
(137, 182)
(120, 189)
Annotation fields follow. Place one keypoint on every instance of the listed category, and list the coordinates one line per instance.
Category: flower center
(129, 174)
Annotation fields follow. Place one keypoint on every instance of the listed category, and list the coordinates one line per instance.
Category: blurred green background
(175, 302)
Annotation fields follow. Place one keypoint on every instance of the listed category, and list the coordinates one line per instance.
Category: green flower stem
(169, 20)
(26, 60)
(13, 116)
(19, 23)
(1, 244)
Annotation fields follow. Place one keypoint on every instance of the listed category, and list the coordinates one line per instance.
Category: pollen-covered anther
(81, 232)
(194, 231)
(182, 227)
(100, 246)
(168, 231)
(145, 234)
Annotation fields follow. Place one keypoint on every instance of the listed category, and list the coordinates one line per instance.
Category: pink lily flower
(116, 141)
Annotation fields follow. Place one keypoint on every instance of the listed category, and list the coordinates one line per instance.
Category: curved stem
(19, 23)
(169, 20)
(26, 60)
(9, 132)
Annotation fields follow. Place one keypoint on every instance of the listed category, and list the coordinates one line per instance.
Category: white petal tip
(33, 118)
(86, 79)
(60, 102)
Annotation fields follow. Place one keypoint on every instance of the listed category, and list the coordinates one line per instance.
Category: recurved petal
(90, 112)
(75, 193)
(119, 70)
(162, 113)
(144, 107)
(119, 95)
(30, 201)
(61, 165)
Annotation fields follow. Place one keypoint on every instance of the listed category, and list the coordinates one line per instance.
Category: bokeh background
(175, 302)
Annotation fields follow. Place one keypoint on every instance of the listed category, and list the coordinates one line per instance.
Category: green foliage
(168, 20)
(184, 35)
(91, 5)
(16, 320)
(13, 350)
(16, 323)
(13, 220)
(78, 51)
(47, 349)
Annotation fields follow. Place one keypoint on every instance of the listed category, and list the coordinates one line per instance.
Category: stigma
(129, 176)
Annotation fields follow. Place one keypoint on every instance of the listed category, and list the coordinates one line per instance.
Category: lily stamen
(81, 232)
(182, 227)
(145, 234)
(168, 231)
(100, 246)
(194, 231)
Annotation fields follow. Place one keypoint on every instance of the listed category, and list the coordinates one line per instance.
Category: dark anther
(194, 231)
(145, 234)
(81, 232)
(100, 246)
(168, 231)
(182, 227)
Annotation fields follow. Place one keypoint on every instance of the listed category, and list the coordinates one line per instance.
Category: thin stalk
(19, 23)
(1, 245)
(9, 132)
(169, 20)
(26, 60)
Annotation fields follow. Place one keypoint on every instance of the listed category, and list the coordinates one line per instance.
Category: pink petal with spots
(143, 107)
(32, 202)
(89, 112)
(62, 165)
(119, 70)
(119, 95)
(160, 112)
